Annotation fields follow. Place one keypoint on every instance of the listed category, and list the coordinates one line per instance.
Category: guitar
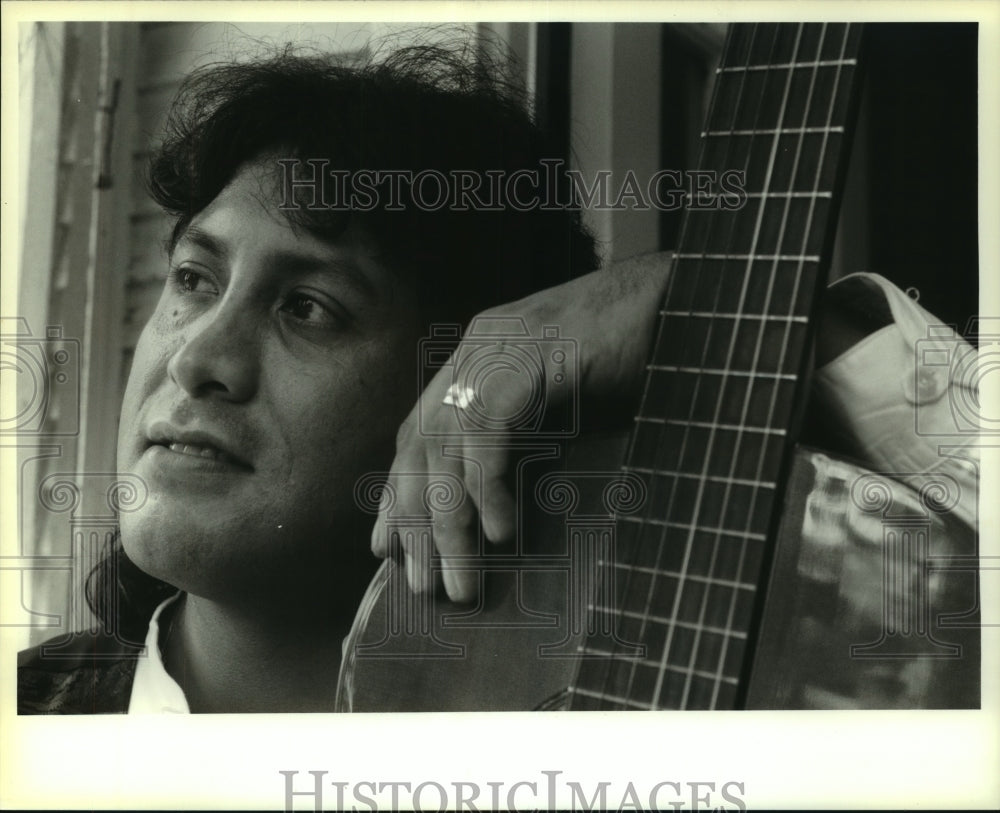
(720, 567)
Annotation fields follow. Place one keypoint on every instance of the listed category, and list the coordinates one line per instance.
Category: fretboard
(712, 437)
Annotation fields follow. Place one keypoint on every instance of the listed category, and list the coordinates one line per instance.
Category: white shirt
(905, 399)
(153, 690)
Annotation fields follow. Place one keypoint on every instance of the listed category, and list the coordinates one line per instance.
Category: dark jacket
(79, 673)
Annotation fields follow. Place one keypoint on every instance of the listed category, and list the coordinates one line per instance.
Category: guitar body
(865, 613)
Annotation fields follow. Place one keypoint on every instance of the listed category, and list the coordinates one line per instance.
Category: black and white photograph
(378, 377)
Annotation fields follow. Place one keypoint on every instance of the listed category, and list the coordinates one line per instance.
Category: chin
(149, 553)
(292, 566)
(174, 552)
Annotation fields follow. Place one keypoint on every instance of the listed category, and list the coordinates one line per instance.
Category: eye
(189, 280)
(309, 310)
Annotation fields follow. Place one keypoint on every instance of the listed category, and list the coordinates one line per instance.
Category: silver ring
(459, 396)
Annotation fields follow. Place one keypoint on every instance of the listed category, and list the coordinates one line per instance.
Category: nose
(220, 356)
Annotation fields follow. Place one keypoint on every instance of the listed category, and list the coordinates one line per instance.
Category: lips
(209, 452)
(202, 444)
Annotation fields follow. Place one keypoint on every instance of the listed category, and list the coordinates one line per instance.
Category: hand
(608, 316)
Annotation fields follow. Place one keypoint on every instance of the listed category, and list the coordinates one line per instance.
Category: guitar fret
(688, 197)
(685, 526)
(609, 697)
(729, 427)
(809, 258)
(765, 195)
(709, 478)
(676, 574)
(713, 676)
(819, 63)
(762, 317)
(662, 668)
(675, 368)
(771, 131)
(668, 621)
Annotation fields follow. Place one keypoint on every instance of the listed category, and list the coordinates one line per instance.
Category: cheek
(159, 339)
(148, 368)
(347, 426)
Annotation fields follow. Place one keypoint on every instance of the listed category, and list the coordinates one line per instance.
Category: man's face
(273, 373)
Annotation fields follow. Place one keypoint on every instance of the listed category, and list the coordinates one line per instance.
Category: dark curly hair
(423, 108)
(447, 108)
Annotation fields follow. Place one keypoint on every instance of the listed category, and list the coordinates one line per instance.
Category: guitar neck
(711, 439)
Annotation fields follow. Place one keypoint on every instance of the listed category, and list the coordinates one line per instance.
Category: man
(282, 358)
(280, 362)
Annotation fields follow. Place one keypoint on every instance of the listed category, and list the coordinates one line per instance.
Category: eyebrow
(291, 261)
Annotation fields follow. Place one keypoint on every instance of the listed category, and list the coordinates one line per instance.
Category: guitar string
(787, 328)
(662, 432)
(610, 661)
(699, 285)
(727, 636)
(782, 365)
(713, 575)
(816, 181)
(797, 56)
(778, 131)
(684, 583)
(772, 153)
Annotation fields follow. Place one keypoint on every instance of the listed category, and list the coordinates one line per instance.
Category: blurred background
(92, 97)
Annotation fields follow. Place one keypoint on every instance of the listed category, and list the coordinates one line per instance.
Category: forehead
(246, 218)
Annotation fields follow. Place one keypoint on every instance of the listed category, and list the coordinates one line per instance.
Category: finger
(433, 489)
(401, 496)
(380, 541)
(453, 513)
(417, 547)
(485, 477)
(456, 540)
(498, 512)
(412, 522)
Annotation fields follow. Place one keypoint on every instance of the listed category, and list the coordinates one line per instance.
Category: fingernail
(415, 575)
(497, 528)
(448, 576)
(460, 584)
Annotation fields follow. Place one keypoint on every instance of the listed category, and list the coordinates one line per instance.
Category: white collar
(153, 690)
